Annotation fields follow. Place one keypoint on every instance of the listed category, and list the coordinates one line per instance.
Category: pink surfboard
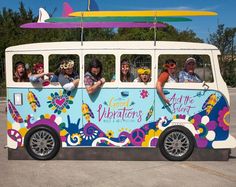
(67, 9)
(50, 25)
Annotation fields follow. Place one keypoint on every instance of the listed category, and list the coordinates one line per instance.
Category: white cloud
(177, 8)
(210, 8)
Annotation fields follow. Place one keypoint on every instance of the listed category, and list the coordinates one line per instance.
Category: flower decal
(205, 129)
(88, 136)
(151, 138)
(60, 102)
(223, 118)
(144, 94)
(179, 116)
(110, 134)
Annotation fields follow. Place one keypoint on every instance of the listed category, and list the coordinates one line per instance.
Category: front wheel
(176, 143)
(42, 143)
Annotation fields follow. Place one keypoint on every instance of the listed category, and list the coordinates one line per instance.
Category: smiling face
(171, 68)
(69, 71)
(125, 69)
(95, 71)
(190, 67)
(40, 70)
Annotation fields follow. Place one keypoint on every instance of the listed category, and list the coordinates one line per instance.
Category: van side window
(25, 65)
(56, 60)
(106, 71)
(189, 68)
(135, 68)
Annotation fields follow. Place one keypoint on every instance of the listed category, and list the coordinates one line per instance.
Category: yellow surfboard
(147, 13)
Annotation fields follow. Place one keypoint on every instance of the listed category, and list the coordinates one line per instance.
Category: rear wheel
(176, 143)
(42, 143)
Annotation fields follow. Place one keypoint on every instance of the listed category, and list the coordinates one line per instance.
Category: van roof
(76, 45)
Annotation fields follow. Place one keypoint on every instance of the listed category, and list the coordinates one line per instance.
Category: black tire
(182, 139)
(42, 143)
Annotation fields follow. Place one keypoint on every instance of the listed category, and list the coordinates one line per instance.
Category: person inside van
(68, 78)
(93, 79)
(55, 75)
(144, 75)
(125, 74)
(20, 73)
(167, 75)
(38, 73)
(188, 74)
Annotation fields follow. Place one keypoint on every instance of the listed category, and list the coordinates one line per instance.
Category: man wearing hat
(188, 74)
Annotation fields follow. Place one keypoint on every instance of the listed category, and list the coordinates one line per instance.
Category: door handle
(205, 85)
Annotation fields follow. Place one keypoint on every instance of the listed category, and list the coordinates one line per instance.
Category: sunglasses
(144, 71)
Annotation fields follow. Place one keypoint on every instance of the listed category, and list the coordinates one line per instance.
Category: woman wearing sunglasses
(167, 75)
(144, 75)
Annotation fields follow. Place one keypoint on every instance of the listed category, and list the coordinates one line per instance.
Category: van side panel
(118, 117)
(204, 112)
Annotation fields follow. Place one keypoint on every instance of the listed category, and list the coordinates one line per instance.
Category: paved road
(116, 173)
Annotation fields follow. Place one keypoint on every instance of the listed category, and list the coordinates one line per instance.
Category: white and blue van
(44, 118)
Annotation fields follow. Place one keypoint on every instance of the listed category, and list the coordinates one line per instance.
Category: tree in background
(11, 34)
(163, 34)
(223, 38)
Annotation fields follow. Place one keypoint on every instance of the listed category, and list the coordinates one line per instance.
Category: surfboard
(67, 9)
(44, 25)
(118, 19)
(142, 13)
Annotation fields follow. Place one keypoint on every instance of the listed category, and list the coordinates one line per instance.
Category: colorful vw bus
(44, 118)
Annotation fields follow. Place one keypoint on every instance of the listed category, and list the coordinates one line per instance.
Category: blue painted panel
(118, 117)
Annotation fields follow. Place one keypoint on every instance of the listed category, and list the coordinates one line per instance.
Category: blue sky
(202, 26)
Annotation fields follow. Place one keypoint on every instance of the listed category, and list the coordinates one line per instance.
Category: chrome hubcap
(42, 143)
(176, 144)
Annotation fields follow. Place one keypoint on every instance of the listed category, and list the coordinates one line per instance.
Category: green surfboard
(118, 19)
